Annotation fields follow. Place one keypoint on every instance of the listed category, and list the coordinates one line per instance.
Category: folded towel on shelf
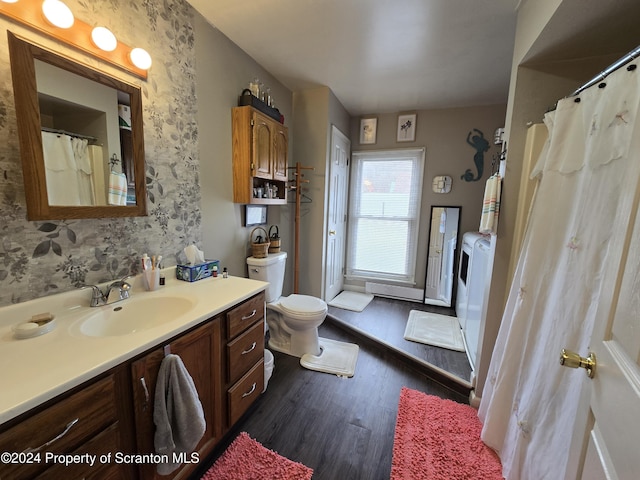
(177, 412)
(117, 189)
(491, 205)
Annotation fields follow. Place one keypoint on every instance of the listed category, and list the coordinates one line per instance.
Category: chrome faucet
(116, 291)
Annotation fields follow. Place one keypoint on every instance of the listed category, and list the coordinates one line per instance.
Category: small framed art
(255, 215)
(368, 128)
(406, 128)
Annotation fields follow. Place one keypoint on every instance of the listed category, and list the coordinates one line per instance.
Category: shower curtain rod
(632, 55)
(70, 134)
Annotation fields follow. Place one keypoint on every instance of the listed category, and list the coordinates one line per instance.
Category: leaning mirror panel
(81, 137)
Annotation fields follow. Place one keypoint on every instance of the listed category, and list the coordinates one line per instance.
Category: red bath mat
(247, 459)
(439, 439)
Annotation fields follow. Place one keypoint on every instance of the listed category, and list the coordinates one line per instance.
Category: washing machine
(472, 285)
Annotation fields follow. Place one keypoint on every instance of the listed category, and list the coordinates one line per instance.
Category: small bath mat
(353, 301)
(338, 358)
(434, 329)
(247, 459)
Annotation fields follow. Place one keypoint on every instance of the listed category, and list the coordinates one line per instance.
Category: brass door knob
(573, 360)
(332, 232)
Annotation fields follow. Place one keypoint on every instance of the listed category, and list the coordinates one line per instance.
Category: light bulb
(57, 13)
(140, 58)
(104, 39)
(9, 1)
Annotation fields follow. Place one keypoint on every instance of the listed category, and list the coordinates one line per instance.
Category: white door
(337, 214)
(606, 438)
(434, 259)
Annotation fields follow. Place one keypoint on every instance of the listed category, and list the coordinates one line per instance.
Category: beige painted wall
(444, 134)
(315, 111)
(223, 71)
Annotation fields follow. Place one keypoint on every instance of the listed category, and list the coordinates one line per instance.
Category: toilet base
(296, 344)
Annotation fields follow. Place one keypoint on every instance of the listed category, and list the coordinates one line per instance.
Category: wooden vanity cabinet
(114, 412)
(91, 419)
(201, 354)
(260, 156)
(244, 356)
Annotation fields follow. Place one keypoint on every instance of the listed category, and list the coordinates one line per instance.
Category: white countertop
(37, 369)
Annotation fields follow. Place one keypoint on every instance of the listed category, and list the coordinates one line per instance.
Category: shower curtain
(67, 169)
(529, 403)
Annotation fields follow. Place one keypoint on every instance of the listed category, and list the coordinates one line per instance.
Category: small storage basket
(259, 248)
(274, 240)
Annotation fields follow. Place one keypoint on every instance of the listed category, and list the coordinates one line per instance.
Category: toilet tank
(269, 269)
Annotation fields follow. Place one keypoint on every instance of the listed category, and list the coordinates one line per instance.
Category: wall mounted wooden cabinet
(260, 158)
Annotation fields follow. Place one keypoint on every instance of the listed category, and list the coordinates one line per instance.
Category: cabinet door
(262, 146)
(280, 153)
(200, 351)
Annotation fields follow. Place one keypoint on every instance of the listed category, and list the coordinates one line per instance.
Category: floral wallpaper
(42, 258)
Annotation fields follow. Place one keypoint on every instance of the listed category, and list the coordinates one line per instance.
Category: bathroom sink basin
(134, 315)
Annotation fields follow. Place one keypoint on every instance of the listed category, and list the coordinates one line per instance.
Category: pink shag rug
(247, 459)
(439, 439)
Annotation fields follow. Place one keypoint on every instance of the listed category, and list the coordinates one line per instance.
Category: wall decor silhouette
(476, 139)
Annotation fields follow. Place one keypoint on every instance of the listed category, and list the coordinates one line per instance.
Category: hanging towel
(117, 189)
(491, 205)
(177, 412)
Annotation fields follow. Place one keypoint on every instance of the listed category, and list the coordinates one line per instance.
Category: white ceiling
(378, 56)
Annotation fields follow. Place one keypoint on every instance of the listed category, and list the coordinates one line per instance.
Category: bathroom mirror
(79, 129)
(441, 256)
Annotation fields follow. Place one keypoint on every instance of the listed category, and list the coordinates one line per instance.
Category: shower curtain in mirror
(529, 402)
(68, 170)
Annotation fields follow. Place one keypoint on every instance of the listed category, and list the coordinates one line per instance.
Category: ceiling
(378, 56)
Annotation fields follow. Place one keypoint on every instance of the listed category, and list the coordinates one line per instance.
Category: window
(384, 210)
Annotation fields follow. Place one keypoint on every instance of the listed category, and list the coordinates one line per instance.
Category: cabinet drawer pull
(146, 392)
(253, 387)
(251, 349)
(247, 317)
(44, 445)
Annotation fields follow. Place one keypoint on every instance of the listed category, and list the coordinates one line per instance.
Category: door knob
(332, 232)
(573, 360)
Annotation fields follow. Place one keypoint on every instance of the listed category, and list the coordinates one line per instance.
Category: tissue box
(191, 273)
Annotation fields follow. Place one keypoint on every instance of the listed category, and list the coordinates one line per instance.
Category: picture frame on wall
(406, 128)
(368, 130)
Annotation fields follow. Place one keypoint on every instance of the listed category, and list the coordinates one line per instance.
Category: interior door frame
(454, 288)
(335, 133)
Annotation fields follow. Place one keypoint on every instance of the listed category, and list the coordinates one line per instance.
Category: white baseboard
(394, 291)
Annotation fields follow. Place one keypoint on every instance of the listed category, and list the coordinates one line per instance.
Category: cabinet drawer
(60, 428)
(245, 315)
(245, 351)
(105, 443)
(245, 391)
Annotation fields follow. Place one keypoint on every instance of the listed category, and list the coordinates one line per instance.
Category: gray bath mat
(434, 329)
(354, 301)
(336, 357)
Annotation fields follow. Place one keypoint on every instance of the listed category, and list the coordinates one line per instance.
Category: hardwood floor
(343, 428)
(384, 321)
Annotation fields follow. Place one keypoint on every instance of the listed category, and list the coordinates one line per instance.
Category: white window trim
(409, 278)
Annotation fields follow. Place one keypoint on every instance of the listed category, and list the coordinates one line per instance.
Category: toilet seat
(303, 305)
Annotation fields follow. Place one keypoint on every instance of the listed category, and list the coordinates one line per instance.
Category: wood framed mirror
(102, 182)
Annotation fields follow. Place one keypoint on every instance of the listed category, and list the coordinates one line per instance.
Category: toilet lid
(303, 304)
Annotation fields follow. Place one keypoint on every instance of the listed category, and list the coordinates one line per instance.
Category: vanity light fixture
(37, 14)
(140, 58)
(57, 13)
(104, 39)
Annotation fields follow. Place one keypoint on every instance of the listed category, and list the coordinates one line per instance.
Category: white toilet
(294, 320)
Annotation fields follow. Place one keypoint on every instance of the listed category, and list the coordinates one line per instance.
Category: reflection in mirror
(81, 137)
(443, 241)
